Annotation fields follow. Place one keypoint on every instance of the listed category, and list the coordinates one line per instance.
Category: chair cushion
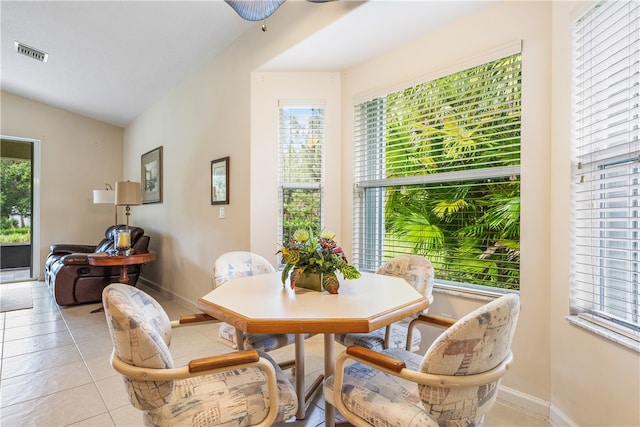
(418, 272)
(264, 342)
(477, 343)
(381, 399)
(233, 265)
(236, 264)
(233, 398)
(415, 269)
(375, 340)
(141, 333)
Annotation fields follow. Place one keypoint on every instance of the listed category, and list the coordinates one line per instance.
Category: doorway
(19, 170)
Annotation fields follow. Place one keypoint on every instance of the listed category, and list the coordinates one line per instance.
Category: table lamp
(127, 194)
(106, 196)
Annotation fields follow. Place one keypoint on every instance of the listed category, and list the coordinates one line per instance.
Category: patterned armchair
(418, 271)
(240, 389)
(455, 384)
(232, 265)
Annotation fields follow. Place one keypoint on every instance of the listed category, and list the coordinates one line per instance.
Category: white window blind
(301, 166)
(437, 169)
(606, 199)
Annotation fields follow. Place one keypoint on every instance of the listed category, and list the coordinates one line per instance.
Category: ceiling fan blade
(253, 10)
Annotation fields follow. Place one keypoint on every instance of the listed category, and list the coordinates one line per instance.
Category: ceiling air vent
(31, 52)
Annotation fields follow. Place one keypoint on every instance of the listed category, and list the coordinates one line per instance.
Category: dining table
(263, 304)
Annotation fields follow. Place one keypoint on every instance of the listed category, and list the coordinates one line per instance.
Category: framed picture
(220, 181)
(151, 176)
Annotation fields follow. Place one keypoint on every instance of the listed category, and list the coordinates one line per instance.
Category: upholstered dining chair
(454, 384)
(239, 388)
(236, 264)
(418, 271)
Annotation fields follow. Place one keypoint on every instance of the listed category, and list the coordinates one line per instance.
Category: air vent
(31, 52)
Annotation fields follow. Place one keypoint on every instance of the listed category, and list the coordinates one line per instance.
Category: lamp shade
(128, 193)
(104, 196)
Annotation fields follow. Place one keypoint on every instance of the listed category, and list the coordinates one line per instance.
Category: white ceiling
(111, 60)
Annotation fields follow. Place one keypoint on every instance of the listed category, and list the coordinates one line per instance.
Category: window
(301, 166)
(437, 169)
(606, 191)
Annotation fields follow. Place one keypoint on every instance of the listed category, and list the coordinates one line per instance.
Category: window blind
(437, 170)
(301, 166)
(606, 200)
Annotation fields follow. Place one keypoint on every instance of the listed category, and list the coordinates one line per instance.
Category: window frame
(283, 183)
(375, 179)
(597, 158)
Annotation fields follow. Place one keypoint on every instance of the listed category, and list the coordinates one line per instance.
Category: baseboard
(153, 286)
(525, 402)
(559, 418)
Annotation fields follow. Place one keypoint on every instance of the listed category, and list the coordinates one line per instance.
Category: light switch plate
(221, 213)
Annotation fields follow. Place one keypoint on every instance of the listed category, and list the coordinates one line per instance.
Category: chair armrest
(193, 319)
(66, 248)
(377, 359)
(438, 321)
(75, 259)
(398, 368)
(218, 363)
(224, 361)
(430, 320)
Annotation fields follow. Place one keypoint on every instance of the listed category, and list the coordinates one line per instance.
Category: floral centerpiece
(307, 255)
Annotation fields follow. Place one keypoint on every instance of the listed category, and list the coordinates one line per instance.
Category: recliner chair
(73, 281)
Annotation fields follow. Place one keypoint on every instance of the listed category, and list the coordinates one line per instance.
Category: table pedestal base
(304, 396)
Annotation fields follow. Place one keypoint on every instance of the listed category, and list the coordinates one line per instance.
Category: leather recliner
(73, 281)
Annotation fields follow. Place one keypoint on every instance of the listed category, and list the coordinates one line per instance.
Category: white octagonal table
(261, 304)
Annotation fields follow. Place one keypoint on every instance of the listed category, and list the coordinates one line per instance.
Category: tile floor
(55, 367)
(14, 274)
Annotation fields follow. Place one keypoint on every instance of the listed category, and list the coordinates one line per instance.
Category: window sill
(480, 293)
(588, 322)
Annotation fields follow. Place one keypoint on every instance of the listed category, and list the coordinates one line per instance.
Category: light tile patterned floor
(55, 368)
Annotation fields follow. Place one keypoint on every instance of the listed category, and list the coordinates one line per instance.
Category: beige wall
(78, 155)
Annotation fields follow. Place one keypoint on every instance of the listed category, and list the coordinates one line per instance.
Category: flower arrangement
(307, 254)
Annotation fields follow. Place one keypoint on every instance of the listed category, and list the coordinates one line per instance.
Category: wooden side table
(106, 260)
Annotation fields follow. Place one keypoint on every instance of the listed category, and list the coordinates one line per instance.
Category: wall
(594, 381)
(78, 155)
(267, 91)
(205, 118)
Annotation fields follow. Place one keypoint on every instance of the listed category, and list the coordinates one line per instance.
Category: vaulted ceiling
(111, 60)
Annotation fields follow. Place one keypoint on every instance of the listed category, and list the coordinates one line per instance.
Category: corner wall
(78, 155)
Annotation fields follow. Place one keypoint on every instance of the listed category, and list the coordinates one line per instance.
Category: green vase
(311, 281)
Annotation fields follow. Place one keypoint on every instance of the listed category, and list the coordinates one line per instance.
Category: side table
(105, 260)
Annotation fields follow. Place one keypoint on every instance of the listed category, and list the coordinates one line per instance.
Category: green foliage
(310, 253)
(15, 235)
(469, 229)
(15, 188)
(303, 138)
